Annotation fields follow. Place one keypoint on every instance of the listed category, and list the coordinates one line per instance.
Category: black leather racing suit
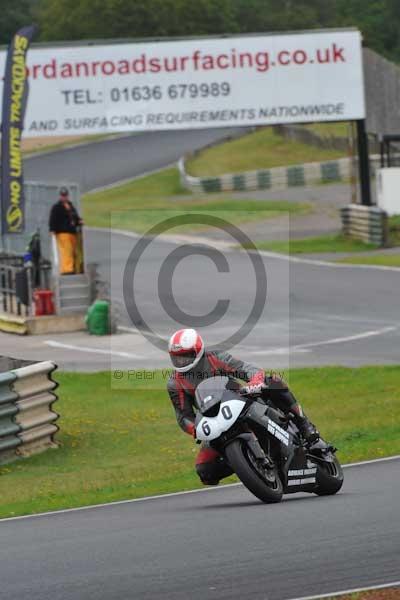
(210, 466)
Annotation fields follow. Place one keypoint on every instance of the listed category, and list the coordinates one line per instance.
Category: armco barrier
(9, 440)
(366, 223)
(27, 418)
(278, 178)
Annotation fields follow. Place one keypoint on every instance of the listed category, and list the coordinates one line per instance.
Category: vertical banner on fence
(15, 94)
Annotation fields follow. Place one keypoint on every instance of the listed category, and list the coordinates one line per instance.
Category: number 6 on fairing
(210, 428)
(206, 428)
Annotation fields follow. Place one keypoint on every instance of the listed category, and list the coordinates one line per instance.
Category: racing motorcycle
(262, 444)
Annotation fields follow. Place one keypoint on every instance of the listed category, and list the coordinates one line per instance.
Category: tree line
(60, 20)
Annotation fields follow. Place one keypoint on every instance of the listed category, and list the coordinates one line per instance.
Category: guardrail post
(363, 163)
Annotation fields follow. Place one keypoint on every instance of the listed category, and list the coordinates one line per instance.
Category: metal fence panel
(39, 198)
(382, 94)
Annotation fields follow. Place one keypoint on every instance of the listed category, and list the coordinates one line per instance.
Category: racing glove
(191, 429)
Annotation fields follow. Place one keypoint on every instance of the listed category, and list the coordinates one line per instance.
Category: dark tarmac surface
(215, 545)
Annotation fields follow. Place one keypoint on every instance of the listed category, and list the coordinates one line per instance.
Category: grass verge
(329, 130)
(52, 144)
(118, 444)
(262, 149)
(382, 260)
(321, 244)
(387, 260)
(138, 205)
(378, 594)
(340, 243)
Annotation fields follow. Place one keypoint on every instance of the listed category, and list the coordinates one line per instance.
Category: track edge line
(169, 495)
(351, 591)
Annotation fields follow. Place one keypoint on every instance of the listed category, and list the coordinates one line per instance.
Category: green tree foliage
(379, 20)
(67, 19)
(372, 18)
(13, 15)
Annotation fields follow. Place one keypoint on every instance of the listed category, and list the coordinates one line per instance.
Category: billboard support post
(363, 163)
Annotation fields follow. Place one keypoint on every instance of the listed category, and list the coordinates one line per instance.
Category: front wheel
(262, 481)
(329, 477)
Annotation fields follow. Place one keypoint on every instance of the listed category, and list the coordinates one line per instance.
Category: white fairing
(210, 428)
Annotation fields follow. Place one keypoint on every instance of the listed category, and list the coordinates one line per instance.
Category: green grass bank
(381, 260)
(315, 245)
(340, 243)
(144, 202)
(263, 149)
(125, 443)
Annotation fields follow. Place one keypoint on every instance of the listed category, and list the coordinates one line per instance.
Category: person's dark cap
(64, 191)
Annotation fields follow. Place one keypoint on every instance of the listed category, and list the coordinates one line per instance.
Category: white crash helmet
(186, 347)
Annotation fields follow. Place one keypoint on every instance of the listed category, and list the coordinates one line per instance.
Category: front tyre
(329, 477)
(261, 481)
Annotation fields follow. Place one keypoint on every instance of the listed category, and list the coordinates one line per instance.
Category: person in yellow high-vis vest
(65, 224)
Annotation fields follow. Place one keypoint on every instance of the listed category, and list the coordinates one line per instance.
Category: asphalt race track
(321, 312)
(217, 544)
(106, 162)
(314, 314)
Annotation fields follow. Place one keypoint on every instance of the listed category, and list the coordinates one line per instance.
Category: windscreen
(213, 390)
(210, 391)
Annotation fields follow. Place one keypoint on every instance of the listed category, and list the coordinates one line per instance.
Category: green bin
(98, 318)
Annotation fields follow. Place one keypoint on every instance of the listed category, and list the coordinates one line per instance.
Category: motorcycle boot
(285, 400)
(307, 430)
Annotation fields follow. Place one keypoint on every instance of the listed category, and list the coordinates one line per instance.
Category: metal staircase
(72, 293)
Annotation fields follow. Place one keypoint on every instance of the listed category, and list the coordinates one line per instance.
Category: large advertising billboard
(181, 84)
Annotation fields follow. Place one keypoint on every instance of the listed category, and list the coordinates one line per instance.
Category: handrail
(56, 271)
(54, 253)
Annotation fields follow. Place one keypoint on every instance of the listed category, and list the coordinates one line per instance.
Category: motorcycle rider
(192, 364)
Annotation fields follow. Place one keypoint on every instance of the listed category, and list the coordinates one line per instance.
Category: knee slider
(207, 474)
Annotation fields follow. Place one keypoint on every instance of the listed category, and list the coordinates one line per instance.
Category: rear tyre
(264, 483)
(329, 478)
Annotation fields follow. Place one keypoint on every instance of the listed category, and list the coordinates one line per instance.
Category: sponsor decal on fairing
(278, 432)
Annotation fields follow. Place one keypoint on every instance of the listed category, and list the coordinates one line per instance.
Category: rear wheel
(329, 477)
(262, 481)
